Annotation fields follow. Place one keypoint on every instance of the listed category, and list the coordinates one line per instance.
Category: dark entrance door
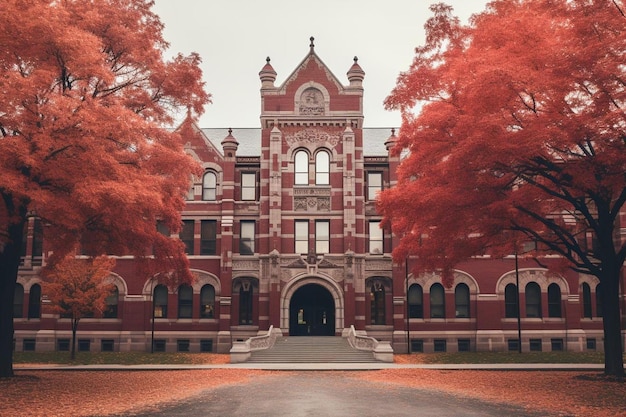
(312, 312)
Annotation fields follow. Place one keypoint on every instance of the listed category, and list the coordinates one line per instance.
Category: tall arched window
(377, 303)
(185, 302)
(301, 168)
(34, 302)
(110, 311)
(207, 301)
(209, 186)
(587, 312)
(245, 302)
(159, 301)
(510, 301)
(322, 168)
(599, 300)
(533, 300)
(462, 301)
(437, 302)
(416, 302)
(554, 300)
(18, 301)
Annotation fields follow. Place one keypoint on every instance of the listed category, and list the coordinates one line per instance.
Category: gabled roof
(249, 139)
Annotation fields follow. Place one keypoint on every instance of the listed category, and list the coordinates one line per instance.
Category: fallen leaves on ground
(87, 393)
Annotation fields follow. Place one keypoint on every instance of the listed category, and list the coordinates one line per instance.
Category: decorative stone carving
(378, 265)
(312, 136)
(312, 102)
(245, 265)
(311, 204)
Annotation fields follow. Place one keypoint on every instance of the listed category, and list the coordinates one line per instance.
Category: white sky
(234, 37)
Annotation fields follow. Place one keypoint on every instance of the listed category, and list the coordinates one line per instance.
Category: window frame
(208, 237)
(186, 235)
(209, 188)
(376, 238)
(438, 310)
(555, 309)
(322, 237)
(462, 301)
(372, 190)
(185, 302)
(322, 168)
(247, 189)
(161, 301)
(511, 308)
(301, 240)
(249, 228)
(112, 302)
(532, 293)
(301, 167)
(207, 301)
(378, 306)
(34, 302)
(416, 307)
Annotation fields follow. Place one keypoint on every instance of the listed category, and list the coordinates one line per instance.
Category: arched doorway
(312, 312)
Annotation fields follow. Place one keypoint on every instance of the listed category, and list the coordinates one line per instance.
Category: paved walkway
(328, 366)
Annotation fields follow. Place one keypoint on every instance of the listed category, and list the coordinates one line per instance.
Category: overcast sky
(234, 37)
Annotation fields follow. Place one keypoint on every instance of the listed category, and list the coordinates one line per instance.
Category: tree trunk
(9, 265)
(74, 328)
(613, 359)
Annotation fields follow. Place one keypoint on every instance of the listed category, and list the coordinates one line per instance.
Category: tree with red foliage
(85, 94)
(515, 122)
(77, 288)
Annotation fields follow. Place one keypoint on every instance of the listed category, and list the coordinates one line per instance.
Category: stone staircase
(312, 349)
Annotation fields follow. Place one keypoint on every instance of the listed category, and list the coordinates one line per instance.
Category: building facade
(282, 230)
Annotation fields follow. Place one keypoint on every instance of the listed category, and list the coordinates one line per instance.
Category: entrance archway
(312, 312)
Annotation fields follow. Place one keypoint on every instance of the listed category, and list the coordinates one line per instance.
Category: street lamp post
(152, 325)
(408, 327)
(519, 319)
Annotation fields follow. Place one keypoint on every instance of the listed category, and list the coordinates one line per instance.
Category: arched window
(207, 301)
(245, 302)
(462, 300)
(185, 302)
(587, 312)
(301, 168)
(110, 311)
(416, 302)
(209, 186)
(377, 303)
(554, 300)
(510, 301)
(160, 301)
(599, 300)
(34, 302)
(533, 300)
(18, 301)
(322, 168)
(437, 302)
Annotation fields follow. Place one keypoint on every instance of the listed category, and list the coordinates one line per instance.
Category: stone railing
(242, 350)
(382, 350)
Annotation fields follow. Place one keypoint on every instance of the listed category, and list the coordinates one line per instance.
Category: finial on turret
(393, 131)
(230, 131)
(356, 59)
(267, 60)
(312, 44)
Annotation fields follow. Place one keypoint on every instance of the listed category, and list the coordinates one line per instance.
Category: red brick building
(282, 230)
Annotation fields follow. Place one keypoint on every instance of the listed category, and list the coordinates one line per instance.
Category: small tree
(76, 288)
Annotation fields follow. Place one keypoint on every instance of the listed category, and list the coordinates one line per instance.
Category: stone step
(312, 349)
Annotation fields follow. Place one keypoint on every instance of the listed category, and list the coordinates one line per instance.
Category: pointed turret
(391, 141)
(267, 75)
(230, 144)
(356, 74)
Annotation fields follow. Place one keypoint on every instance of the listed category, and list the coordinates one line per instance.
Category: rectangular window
(374, 184)
(248, 186)
(186, 235)
(513, 345)
(159, 345)
(535, 345)
(376, 238)
(246, 239)
(208, 237)
(322, 236)
(302, 236)
(182, 345)
(107, 345)
(84, 345)
(206, 345)
(417, 345)
(557, 345)
(63, 345)
(463, 345)
(591, 344)
(440, 345)
(29, 345)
